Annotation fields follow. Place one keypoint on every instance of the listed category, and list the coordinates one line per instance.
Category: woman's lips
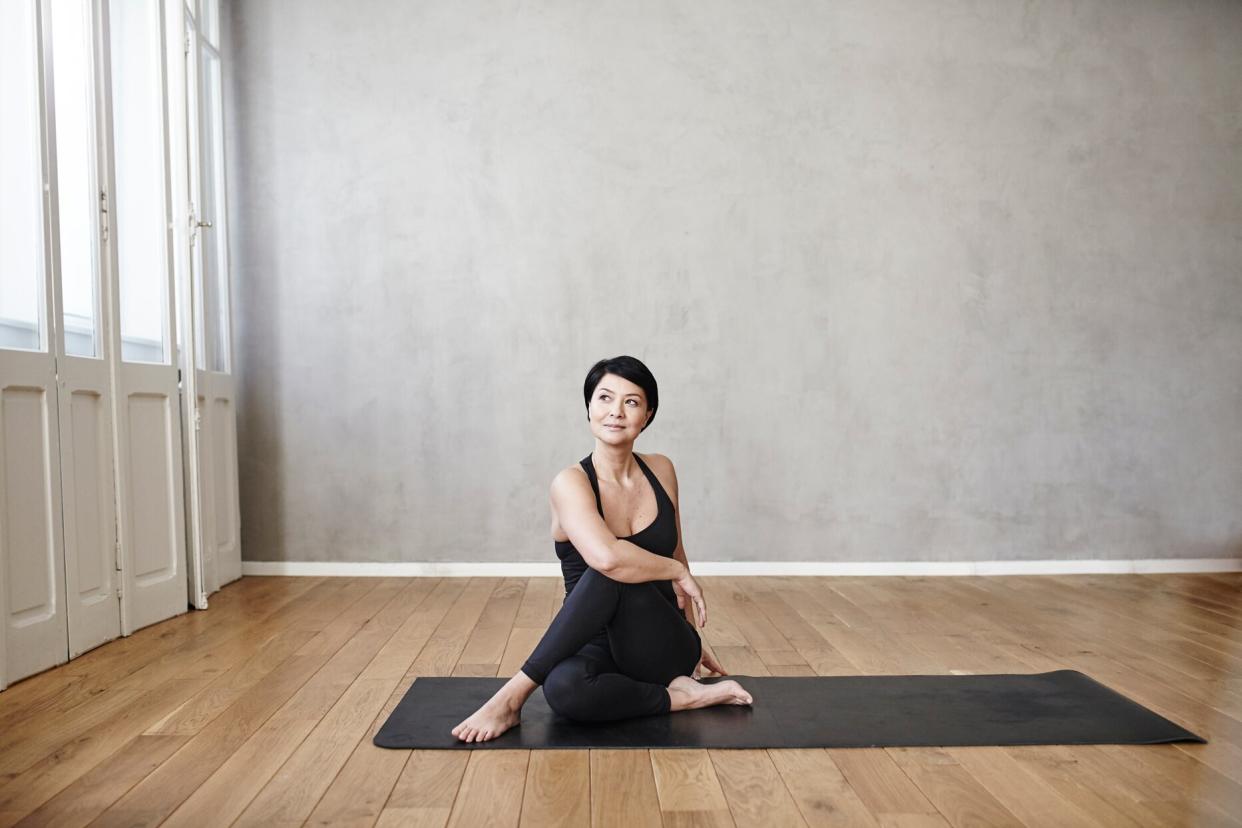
(614, 427)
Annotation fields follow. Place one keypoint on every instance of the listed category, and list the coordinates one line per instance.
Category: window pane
(192, 118)
(75, 174)
(21, 190)
(209, 24)
(215, 274)
(138, 211)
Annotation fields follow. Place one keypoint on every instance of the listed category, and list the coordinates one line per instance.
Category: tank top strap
(589, 468)
(656, 485)
(650, 475)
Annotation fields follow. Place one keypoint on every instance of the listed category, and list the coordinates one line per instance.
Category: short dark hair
(634, 371)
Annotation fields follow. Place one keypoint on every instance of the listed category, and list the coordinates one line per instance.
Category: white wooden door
(95, 275)
(82, 344)
(148, 435)
(215, 510)
(60, 594)
(33, 620)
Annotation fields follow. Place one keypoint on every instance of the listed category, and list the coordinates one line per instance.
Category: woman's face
(617, 401)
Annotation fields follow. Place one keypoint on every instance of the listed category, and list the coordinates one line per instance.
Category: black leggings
(650, 642)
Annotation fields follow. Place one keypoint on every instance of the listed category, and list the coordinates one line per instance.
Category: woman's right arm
(634, 565)
(574, 502)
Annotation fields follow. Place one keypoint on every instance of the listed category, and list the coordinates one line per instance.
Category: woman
(623, 643)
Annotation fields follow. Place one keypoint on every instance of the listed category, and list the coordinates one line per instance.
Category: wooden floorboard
(261, 710)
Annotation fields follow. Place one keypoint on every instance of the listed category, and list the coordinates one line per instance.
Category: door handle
(204, 224)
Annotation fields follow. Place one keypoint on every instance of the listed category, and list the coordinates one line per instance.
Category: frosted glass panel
(72, 58)
(21, 197)
(138, 208)
(192, 118)
(209, 11)
(215, 304)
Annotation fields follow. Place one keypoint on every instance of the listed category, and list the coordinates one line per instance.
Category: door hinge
(120, 578)
(103, 213)
(198, 420)
(186, 49)
(193, 225)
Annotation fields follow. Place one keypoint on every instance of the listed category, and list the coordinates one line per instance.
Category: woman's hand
(709, 664)
(685, 588)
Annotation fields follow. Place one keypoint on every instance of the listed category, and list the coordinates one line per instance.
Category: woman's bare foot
(684, 693)
(489, 721)
(499, 713)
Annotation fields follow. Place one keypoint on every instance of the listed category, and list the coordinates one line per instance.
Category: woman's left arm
(680, 552)
(688, 609)
(708, 661)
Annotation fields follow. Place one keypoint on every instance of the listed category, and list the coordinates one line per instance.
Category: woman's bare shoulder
(571, 476)
(663, 469)
(660, 460)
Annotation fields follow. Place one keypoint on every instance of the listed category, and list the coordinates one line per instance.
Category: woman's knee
(565, 689)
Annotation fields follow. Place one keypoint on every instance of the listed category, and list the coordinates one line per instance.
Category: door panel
(224, 479)
(207, 488)
(218, 446)
(31, 546)
(152, 456)
(150, 480)
(89, 512)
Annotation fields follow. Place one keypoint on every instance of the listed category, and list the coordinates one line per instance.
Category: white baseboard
(449, 569)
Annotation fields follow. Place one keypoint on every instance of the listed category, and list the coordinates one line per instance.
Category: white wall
(919, 281)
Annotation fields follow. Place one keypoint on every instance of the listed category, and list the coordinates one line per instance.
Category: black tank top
(659, 538)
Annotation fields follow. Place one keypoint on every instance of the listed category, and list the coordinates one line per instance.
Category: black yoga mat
(1063, 707)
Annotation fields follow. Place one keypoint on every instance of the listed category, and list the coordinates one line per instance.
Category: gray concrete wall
(919, 280)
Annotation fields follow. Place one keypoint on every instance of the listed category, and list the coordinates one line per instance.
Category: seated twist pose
(624, 642)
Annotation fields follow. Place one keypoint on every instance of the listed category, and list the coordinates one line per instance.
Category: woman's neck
(615, 464)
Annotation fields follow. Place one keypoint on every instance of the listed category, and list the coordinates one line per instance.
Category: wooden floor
(260, 711)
